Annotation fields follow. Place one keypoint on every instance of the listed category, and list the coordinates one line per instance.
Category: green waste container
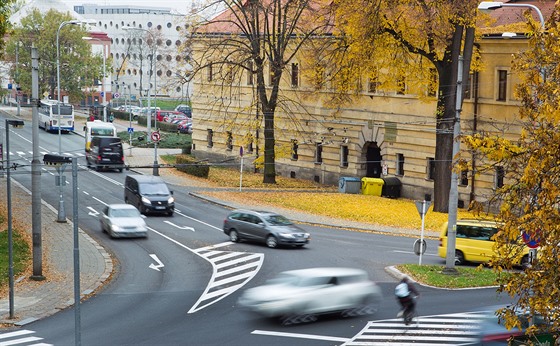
(372, 186)
(349, 185)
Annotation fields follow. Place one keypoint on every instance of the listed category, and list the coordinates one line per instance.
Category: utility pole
(36, 172)
(17, 81)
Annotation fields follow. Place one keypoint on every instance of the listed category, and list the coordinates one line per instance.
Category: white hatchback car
(301, 295)
(123, 221)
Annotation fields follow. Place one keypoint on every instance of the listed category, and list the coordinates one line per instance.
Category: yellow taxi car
(475, 242)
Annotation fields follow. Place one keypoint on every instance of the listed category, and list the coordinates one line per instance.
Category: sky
(178, 5)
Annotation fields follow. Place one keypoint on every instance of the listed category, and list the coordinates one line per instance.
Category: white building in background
(130, 53)
(129, 74)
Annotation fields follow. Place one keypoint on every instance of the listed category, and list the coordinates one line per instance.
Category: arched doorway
(373, 160)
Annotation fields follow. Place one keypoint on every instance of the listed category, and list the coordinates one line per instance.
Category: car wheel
(525, 263)
(170, 213)
(271, 241)
(120, 170)
(459, 257)
(233, 236)
(292, 319)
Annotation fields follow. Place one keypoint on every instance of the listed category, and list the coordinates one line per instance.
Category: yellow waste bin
(372, 186)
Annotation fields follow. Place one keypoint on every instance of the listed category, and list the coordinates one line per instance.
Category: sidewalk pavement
(34, 300)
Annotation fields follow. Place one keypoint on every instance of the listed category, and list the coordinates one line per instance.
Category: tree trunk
(269, 176)
(445, 117)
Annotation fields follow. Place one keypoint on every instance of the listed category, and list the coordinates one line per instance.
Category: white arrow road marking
(159, 263)
(179, 227)
(93, 212)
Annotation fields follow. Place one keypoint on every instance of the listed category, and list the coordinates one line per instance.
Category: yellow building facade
(380, 134)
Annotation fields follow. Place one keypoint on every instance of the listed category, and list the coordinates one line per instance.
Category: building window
(464, 179)
(229, 140)
(433, 82)
(499, 178)
(431, 169)
(250, 145)
(209, 74)
(400, 164)
(373, 84)
(250, 73)
(318, 152)
(502, 85)
(468, 87)
(209, 138)
(295, 75)
(401, 85)
(343, 156)
(294, 153)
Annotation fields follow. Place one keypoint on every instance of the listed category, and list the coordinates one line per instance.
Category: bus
(98, 128)
(48, 116)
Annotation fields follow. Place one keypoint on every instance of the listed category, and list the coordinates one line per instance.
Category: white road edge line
(300, 336)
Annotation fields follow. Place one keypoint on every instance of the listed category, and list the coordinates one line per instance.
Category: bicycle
(409, 315)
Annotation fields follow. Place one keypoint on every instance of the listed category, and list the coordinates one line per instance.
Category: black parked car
(105, 152)
(263, 226)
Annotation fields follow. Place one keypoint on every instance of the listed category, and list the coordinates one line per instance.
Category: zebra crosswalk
(230, 271)
(23, 337)
(450, 329)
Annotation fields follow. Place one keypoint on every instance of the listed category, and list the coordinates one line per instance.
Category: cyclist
(406, 294)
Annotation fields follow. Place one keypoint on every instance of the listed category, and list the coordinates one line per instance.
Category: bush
(190, 165)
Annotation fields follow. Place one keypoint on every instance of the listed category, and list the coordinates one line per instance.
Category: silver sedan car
(299, 296)
(123, 221)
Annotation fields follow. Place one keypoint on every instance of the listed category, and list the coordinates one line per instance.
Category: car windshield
(154, 189)
(298, 281)
(125, 213)
(278, 220)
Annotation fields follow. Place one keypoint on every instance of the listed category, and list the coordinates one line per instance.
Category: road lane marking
(300, 336)
(179, 227)
(159, 263)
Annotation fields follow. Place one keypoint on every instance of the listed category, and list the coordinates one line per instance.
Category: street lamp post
(487, 6)
(153, 72)
(61, 217)
(103, 92)
(15, 123)
(129, 119)
(61, 161)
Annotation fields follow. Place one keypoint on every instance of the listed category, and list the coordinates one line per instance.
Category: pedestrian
(406, 293)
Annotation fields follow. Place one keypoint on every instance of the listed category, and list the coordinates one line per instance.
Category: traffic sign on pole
(156, 136)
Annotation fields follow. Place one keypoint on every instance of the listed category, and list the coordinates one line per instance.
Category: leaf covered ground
(307, 196)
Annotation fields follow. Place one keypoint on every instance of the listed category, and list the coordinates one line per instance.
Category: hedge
(190, 165)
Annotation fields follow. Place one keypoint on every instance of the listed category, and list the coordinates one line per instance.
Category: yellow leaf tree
(419, 39)
(530, 196)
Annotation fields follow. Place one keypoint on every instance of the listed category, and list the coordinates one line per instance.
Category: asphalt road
(182, 303)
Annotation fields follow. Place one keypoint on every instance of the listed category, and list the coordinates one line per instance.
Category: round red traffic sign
(530, 241)
(156, 136)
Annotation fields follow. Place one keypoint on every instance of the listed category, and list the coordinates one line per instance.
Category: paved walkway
(38, 299)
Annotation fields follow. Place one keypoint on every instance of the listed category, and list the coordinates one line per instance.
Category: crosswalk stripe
(20, 337)
(451, 329)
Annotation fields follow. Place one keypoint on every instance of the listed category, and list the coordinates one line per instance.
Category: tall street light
(61, 217)
(14, 123)
(57, 161)
(487, 6)
(103, 92)
(149, 135)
